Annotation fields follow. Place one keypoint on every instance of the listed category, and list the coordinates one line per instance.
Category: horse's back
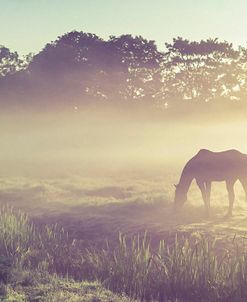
(229, 163)
(226, 153)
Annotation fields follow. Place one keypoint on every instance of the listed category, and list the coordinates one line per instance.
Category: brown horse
(207, 166)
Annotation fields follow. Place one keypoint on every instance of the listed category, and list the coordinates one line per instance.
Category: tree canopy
(81, 67)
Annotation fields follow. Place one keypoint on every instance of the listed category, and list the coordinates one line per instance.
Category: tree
(89, 67)
(10, 62)
(202, 70)
(139, 60)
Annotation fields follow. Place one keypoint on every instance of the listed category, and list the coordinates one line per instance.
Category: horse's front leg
(231, 196)
(203, 188)
(208, 193)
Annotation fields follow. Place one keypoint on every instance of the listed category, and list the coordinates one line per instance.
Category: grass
(35, 287)
(31, 259)
(188, 266)
(192, 267)
(17, 234)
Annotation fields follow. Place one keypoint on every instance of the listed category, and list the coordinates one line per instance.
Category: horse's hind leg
(231, 195)
(208, 193)
(205, 190)
(244, 185)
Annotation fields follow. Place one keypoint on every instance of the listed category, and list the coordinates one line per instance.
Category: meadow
(86, 212)
(122, 233)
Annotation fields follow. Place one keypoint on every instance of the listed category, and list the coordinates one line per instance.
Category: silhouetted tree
(200, 70)
(81, 67)
(10, 62)
(13, 78)
(241, 75)
(88, 66)
(136, 63)
(67, 63)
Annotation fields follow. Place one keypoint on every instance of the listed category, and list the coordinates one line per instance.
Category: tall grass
(192, 268)
(17, 235)
(23, 245)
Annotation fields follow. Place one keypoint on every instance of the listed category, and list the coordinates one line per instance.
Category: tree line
(80, 67)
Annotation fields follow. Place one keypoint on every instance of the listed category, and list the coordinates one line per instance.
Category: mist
(91, 142)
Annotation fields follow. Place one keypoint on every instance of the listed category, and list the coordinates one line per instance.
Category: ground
(53, 289)
(96, 208)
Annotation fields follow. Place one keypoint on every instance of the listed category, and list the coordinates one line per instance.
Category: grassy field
(32, 286)
(90, 208)
(73, 226)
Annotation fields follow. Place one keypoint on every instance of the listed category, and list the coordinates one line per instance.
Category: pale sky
(27, 25)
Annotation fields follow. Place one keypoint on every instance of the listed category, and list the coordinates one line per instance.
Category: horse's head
(180, 197)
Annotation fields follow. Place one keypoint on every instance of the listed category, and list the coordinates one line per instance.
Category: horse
(207, 166)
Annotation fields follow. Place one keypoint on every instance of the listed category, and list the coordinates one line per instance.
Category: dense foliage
(79, 67)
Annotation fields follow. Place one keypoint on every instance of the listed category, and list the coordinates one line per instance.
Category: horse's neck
(186, 179)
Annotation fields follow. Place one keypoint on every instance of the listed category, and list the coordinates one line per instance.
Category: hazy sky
(27, 25)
